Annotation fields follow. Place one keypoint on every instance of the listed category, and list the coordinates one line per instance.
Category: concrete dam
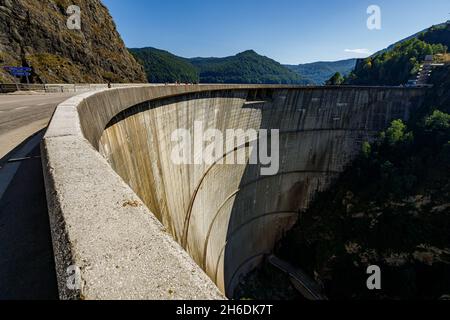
(226, 217)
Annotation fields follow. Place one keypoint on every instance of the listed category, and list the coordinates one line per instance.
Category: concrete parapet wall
(100, 226)
(227, 217)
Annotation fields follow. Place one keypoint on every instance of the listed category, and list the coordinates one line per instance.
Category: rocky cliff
(35, 33)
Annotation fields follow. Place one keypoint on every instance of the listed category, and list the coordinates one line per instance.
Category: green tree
(438, 121)
(366, 149)
(336, 80)
(397, 133)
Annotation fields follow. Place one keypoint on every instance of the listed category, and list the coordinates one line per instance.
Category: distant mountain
(245, 67)
(162, 66)
(401, 62)
(319, 72)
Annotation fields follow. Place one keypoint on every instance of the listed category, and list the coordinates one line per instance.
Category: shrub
(438, 121)
(397, 133)
(366, 149)
(336, 80)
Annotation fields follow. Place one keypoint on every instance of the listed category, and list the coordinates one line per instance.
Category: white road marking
(21, 108)
(8, 172)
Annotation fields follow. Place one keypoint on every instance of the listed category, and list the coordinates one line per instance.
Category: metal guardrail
(55, 88)
(12, 87)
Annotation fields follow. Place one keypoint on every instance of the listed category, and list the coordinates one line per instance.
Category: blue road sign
(21, 74)
(24, 69)
(19, 71)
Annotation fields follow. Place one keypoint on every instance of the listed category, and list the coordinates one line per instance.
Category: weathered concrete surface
(99, 225)
(227, 217)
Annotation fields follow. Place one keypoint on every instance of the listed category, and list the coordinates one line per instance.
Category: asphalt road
(27, 268)
(23, 115)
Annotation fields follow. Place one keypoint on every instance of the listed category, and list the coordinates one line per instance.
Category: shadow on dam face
(228, 217)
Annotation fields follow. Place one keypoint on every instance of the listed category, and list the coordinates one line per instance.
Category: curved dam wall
(228, 217)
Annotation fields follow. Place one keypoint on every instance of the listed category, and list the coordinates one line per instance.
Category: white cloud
(359, 51)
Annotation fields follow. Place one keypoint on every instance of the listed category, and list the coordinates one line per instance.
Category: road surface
(23, 115)
(27, 268)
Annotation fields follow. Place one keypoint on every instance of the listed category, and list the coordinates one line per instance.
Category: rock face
(35, 33)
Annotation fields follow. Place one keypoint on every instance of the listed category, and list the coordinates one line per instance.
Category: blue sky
(289, 31)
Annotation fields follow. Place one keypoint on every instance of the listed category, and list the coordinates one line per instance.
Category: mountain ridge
(161, 66)
(319, 72)
(416, 35)
(244, 67)
(401, 61)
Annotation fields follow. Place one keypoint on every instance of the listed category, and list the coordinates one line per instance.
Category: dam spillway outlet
(244, 147)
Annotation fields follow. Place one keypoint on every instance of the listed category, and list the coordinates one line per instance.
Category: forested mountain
(416, 35)
(439, 34)
(162, 66)
(392, 66)
(401, 62)
(319, 72)
(245, 67)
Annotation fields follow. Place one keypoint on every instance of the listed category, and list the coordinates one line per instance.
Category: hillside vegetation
(391, 208)
(401, 63)
(439, 34)
(162, 66)
(34, 33)
(245, 67)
